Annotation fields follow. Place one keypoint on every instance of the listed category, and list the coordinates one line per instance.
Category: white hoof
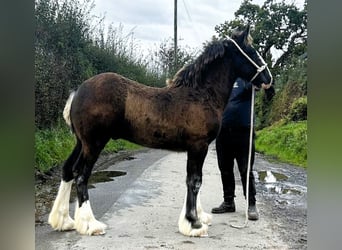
(185, 228)
(61, 222)
(85, 222)
(205, 218)
(59, 218)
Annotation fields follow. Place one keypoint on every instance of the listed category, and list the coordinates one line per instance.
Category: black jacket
(237, 113)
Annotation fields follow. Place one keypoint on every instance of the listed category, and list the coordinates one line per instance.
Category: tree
(274, 25)
(165, 57)
(279, 31)
(61, 36)
(70, 47)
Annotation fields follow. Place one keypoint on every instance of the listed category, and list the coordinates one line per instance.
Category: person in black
(232, 143)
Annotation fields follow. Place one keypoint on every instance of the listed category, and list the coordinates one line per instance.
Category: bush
(70, 48)
(298, 111)
(286, 142)
(291, 87)
(53, 147)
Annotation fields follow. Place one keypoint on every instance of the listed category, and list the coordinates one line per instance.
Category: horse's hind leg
(192, 220)
(59, 217)
(85, 222)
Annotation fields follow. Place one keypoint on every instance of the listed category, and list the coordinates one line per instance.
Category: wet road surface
(142, 204)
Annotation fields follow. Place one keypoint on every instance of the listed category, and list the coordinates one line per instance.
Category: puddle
(276, 183)
(46, 194)
(103, 176)
(282, 190)
(271, 177)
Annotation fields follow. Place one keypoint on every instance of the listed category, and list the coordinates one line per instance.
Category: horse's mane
(190, 75)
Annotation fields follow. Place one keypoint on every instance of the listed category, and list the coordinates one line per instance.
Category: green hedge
(53, 146)
(286, 142)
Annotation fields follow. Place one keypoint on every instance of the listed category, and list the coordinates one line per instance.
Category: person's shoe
(253, 213)
(225, 207)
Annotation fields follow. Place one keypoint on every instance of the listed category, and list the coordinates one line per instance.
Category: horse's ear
(242, 36)
(246, 34)
(238, 35)
(247, 39)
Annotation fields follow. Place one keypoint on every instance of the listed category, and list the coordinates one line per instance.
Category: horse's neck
(222, 87)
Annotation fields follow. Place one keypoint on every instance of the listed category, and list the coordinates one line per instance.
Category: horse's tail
(66, 111)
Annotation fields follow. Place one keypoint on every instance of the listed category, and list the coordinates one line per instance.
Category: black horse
(183, 116)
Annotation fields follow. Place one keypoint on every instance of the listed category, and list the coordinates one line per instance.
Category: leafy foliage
(70, 48)
(279, 31)
(165, 56)
(290, 95)
(298, 110)
(287, 142)
(283, 122)
(53, 146)
(275, 25)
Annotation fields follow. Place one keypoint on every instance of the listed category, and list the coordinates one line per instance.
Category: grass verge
(53, 146)
(286, 142)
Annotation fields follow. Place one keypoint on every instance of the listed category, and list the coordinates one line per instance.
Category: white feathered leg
(85, 222)
(203, 216)
(59, 217)
(184, 226)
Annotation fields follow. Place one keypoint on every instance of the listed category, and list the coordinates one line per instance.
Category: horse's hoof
(96, 228)
(205, 218)
(92, 227)
(187, 228)
(68, 225)
(61, 222)
(202, 232)
(199, 232)
(59, 217)
(196, 224)
(99, 232)
(85, 222)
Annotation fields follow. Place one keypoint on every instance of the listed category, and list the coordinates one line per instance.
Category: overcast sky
(152, 20)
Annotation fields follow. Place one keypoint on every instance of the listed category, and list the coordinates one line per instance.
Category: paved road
(142, 207)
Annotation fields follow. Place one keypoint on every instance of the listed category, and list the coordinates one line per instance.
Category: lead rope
(259, 70)
(249, 163)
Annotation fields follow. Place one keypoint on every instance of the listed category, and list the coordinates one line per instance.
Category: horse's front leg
(203, 216)
(192, 220)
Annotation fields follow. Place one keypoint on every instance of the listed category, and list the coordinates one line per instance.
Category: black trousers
(233, 143)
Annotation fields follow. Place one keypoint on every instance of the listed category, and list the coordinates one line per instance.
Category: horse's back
(102, 84)
(99, 103)
(113, 105)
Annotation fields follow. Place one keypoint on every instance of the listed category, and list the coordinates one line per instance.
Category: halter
(259, 68)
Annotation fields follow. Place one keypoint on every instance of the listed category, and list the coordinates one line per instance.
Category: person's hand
(269, 92)
(265, 86)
